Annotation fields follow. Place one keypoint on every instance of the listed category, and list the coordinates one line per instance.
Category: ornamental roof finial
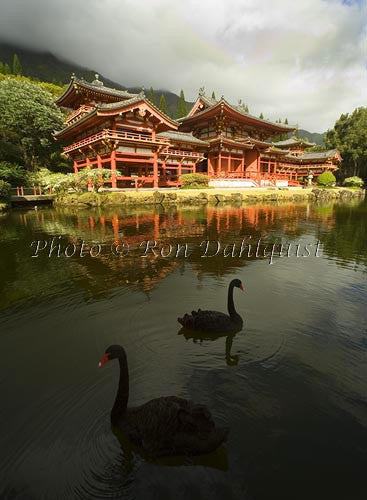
(97, 81)
(201, 91)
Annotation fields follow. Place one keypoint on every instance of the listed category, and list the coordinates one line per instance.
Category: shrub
(95, 176)
(4, 191)
(195, 186)
(353, 181)
(194, 180)
(326, 179)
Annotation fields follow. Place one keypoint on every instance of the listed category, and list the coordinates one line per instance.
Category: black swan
(215, 321)
(163, 426)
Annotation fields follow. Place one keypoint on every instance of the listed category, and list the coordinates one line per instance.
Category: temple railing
(117, 136)
(181, 152)
(259, 177)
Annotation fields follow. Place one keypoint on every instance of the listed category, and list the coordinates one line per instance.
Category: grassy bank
(204, 196)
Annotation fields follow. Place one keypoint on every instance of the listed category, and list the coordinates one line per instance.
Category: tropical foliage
(4, 191)
(349, 136)
(13, 173)
(62, 183)
(28, 118)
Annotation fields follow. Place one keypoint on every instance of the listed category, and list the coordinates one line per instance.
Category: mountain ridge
(45, 66)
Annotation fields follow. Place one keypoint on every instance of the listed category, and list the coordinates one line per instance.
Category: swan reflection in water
(199, 337)
(217, 459)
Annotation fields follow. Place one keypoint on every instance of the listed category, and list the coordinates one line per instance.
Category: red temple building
(109, 128)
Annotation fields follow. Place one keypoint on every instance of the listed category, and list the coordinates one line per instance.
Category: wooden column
(75, 167)
(194, 168)
(99, 162)
(179, 172)
(243, 163)
(99, 166)
(89, 182)
(229, 162)
(210, 166)
(164, 173)
(155, 170)
(113, 168)
(219, 162)
(269, 166)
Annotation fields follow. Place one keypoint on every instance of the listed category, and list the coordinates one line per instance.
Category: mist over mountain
(47, 67)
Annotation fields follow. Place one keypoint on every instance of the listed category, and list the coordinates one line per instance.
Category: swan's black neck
(231, 309)
(119, 408)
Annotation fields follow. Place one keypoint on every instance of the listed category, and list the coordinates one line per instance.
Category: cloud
(302, 60)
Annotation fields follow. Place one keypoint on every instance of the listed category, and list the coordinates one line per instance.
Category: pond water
(291, 386)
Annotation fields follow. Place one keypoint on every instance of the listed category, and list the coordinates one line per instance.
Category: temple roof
(293, 141)
(116, 108)
(320, 155)
(77, 86)
(182, 136)
(228, 140)
(317, 155)
(213, 104)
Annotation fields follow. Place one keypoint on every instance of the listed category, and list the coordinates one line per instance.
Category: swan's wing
(206, 321)
(163, 422)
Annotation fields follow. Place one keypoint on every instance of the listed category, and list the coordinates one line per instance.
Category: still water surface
(292, 386)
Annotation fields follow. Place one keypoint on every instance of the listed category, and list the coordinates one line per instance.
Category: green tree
(6, 69)
(246, 108)
(28, 118)
(182, 107)
(286, 121)
(152, 97)
(213, 95)
(1, 67)
(261, 116)
(17, 68)
(162, 104)
(349, 136)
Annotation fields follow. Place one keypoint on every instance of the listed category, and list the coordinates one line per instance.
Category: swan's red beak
(104, 359)
(241, 286)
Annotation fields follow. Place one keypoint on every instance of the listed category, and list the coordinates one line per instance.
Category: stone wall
(208, 196)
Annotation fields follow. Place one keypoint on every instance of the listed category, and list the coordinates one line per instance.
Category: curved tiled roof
(112, 106)
(320, 155)
(100, 88)
(292, 142)
(238, 109)
(182, 136)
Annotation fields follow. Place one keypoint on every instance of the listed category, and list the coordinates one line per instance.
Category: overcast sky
(300, 59)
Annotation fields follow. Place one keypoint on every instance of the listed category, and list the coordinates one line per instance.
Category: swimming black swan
(215, 321)
(163, 426)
